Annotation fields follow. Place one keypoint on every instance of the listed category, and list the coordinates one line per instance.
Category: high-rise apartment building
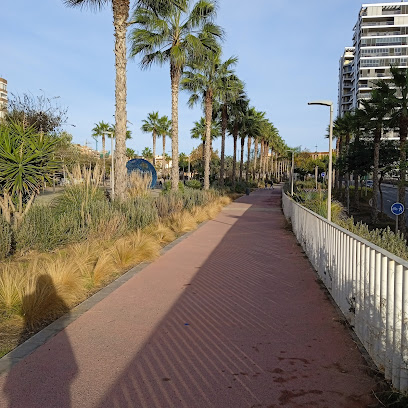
(3, 97)
(346, 81)
(380, 40)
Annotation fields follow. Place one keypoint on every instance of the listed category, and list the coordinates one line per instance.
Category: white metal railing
(368, 283)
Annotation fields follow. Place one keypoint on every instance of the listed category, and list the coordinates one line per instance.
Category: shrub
(167, 187)
(195, 184)
(5, 237)
(44, 229)
(139, 212)
(169, 203)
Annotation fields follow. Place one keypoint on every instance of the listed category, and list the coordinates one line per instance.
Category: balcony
(376, 23)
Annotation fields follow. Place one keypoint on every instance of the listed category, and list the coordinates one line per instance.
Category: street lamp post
(329, 187)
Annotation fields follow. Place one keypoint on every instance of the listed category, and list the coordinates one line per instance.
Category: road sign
(397, 208)
(323, 174)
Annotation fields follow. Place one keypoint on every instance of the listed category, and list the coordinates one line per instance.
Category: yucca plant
(26, 161)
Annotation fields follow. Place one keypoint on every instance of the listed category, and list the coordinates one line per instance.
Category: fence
(369, 284)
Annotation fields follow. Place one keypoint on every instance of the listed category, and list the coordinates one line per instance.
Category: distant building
(3, 97)
(346, 81)
(159, 161)
(318, 155)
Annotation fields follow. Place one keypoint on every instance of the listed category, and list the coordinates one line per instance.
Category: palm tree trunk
(223, 130)
(241, 164)
(175, 74)
(154, 148)
(374, 208)
(347, 176)
(120, 10)
(248, 158)
(265, 158)
(164, 157)
(255, 157)
(261, 158)
(234, 161)
(403, 171)
(207, 154)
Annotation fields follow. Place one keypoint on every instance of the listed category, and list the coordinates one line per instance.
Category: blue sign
(397, 208)
(323, 174)
(143, 166)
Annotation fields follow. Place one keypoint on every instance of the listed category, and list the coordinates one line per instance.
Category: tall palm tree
(344, 128)
(206, 79)
(151, 125)
(198, 132)
(400, 119)
(173, 34)
(163, 131)
(228, 90)
(236, 115)
(120, 9)
(376, 111)
(100, 129)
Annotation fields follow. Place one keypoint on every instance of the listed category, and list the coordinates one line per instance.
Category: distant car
(369, 183)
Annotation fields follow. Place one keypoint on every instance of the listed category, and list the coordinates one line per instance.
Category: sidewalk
(232, 316)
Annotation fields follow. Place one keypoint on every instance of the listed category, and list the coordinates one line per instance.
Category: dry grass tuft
(213, 209)
(199, 214)
(160, 232)
(182, 222)
(139, 184)
(133, 249)
(12, 279)
(224, 200)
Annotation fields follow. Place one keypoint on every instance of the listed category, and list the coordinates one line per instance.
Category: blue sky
(288, 55)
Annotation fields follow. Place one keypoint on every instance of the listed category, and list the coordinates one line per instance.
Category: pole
(292, 172)
(112, 170)
(188, 177)
(316, 175)
(396, 224)
(330, 166)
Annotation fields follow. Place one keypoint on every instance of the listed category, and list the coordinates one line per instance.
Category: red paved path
(230, 317)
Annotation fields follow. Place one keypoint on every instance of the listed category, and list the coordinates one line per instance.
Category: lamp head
(325, 103)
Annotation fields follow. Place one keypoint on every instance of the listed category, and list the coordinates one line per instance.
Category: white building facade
(380, 40)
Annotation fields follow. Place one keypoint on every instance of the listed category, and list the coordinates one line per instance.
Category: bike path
(232, 316)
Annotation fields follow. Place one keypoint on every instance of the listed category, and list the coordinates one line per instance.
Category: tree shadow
(38, 385)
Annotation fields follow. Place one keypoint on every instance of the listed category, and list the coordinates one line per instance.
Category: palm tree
(237, 111)
(228, 90)
(163, 131)
(120, 10)
(344, 127)
(173, 34)
(198, 132)
(206, 79)
(375, 111)
(100, 129)
(151, 125)
(400, 118)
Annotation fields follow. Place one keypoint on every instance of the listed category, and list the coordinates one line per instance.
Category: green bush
(5, 237)
(43, 229)
(139, 212)
(195, 184)
(167, 187)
